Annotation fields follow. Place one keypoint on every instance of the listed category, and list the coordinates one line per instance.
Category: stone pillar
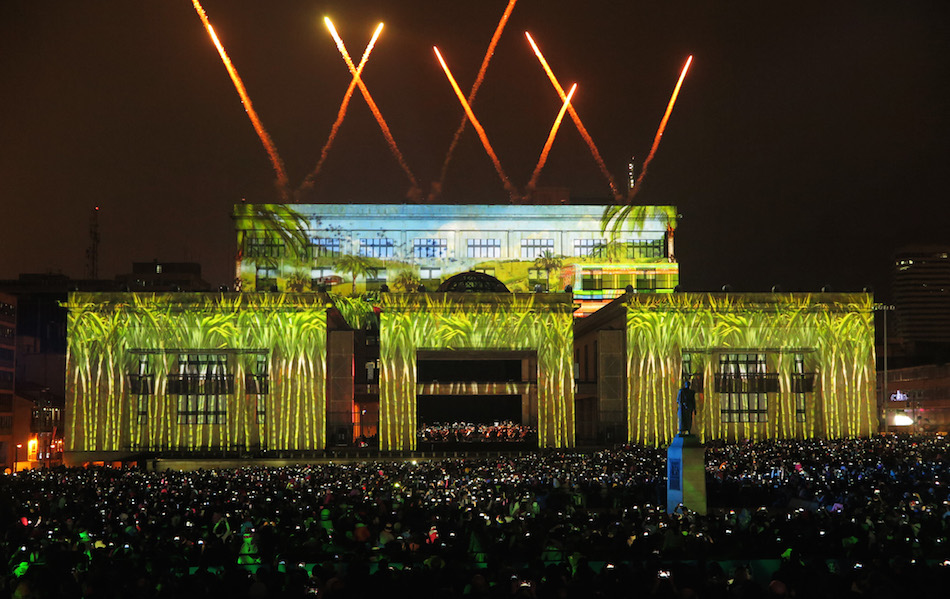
(340, 388)
(686, 474)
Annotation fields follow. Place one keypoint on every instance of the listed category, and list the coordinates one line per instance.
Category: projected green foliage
(446, 321)
(111, 334)
(834, 331)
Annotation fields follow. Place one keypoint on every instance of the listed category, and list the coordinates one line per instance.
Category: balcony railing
(198, 384)
(761, 382)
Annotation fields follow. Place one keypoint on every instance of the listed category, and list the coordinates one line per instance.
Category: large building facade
(357, 326)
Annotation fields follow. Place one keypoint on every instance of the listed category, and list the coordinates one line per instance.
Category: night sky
(810, 139)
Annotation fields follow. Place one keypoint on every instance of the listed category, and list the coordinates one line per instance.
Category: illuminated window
(533, 248)
(592, 280)
(264, 248)
(538, 276)
(321, 247)
(141, 386)
(202, 384)
(266, 277)
(257, 384)
(639, 249)
(376, 248)
(743, 384)
(429, 248)
(430, 274)
(585, 247)
(484, 248)
(487, 271)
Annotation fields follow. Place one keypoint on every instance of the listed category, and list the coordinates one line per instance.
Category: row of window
(531, 249)
(744, 383)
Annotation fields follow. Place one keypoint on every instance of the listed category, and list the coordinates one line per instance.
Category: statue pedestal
(686, 474)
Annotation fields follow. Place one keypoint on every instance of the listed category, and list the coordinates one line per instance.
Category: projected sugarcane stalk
(459, 321)
(835, 334)
(108, 332)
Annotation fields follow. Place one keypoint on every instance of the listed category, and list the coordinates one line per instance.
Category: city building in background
(922, 294)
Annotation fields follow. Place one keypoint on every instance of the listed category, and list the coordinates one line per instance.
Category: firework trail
(512, 192)
(414, 190)
(471, 95)
(283, 184)
(577, 120)
(309, 181)
(659, 132)
(550, 141)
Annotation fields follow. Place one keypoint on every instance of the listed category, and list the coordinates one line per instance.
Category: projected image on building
(348, 249)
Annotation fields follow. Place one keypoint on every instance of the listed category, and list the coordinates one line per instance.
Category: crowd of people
(469, 432)
(867, 517)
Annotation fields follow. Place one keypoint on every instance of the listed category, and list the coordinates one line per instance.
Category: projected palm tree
(272, 221)
(550, 263)
(355, 265)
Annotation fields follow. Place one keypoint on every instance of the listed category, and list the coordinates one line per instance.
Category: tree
(274, 221)
(549, 262)
(406, 281)
(356, 266)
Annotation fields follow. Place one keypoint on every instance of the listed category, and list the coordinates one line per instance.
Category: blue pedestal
(686, 474)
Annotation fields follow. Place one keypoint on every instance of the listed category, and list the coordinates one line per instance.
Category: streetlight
(16, 456)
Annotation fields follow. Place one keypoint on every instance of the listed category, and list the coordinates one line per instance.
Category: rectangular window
(256, 381)
(263, 247)
(743, 384)
(324, 247)
(484, 248)
(202, 384)
(141, 387)
(266, 278)
(802, 382)
(488, 271)
(538, 276)
(6, 379)
(429, 248)
(375, 275)
(592, 280)
(644, 249)
(6, 402)
(586, 247)
(381, 247)
(531, 249)
(430, 274)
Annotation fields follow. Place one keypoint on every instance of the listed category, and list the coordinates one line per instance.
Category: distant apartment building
(922, 294)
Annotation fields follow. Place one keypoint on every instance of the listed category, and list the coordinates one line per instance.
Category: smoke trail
(283, 185)
(550, 141)
(437, 187)
(512, 192)
(659, 132)
(577, 120)
(414, 191)
(309, 181)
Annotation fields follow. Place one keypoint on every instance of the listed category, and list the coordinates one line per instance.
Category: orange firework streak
(372, 106)
(577, 120)
(308, 182)
(659, 132)
(512, 192)
(550, 140)
(478, 83)
(282, 182)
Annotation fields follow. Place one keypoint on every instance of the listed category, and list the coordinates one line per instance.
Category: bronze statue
(686, 400)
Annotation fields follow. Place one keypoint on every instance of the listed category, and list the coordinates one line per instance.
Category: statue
(686, 400)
